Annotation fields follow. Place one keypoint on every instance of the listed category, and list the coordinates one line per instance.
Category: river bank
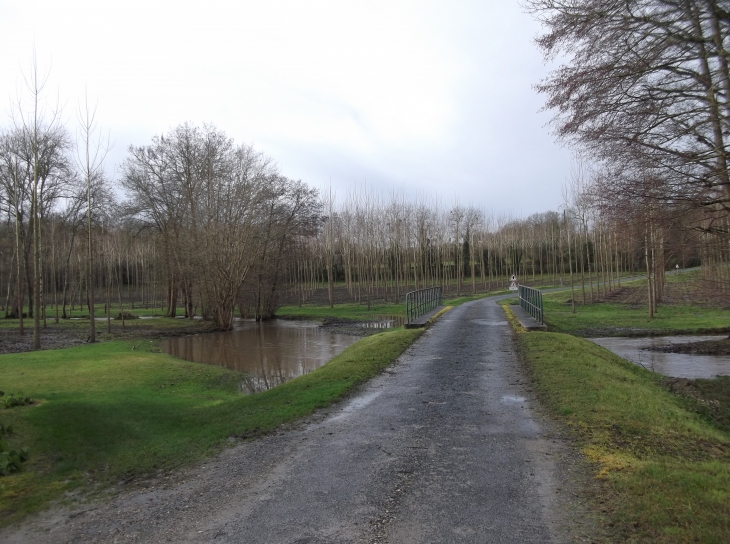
(659, 447)
(427, 451)
(91, 427)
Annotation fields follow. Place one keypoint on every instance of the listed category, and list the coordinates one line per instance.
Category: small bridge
(421, 306)
(529, 313)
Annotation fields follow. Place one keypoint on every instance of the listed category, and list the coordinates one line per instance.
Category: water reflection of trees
(268, 353)
(266, 379)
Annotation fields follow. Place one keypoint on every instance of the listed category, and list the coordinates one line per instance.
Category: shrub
(10, 460)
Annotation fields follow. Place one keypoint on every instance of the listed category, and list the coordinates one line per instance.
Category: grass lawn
(628, 314)
(616, 319)
(108, 412)
(360, 312)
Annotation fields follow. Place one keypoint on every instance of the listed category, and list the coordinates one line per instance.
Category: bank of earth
(659, 447)
(91, 424)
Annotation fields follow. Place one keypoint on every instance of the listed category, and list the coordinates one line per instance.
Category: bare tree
(91, 150)
(41, 145)
(645, 88)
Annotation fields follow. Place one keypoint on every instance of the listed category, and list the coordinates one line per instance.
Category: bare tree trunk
(650, 287)
(570, 265)
(579, 255)
(19, 286)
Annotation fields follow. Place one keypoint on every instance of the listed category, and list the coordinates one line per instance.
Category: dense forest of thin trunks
(296, 242)
(197, 224)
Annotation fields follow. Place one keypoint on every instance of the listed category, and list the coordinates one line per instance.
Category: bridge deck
(422, 320)
(528, 322)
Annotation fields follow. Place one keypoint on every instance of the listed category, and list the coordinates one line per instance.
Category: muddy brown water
(675, 365)
(268, 352)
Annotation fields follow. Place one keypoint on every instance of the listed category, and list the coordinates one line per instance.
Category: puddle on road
(675, 365)
(268, 352)
(513, 399)
(488, 322)
(356, 404)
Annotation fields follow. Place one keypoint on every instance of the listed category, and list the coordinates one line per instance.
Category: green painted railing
(422, 301)
(531, 302)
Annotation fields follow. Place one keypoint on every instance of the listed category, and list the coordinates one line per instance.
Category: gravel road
(445, 446)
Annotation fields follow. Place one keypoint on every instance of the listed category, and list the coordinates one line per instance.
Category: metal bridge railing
(531, 302)
(422, 301)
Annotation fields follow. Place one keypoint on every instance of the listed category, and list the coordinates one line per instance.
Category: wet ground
(267, 352)
(12, 342)
(667, 356)
(445, 446)
(714, 346)
(362, 328)
(55, 337)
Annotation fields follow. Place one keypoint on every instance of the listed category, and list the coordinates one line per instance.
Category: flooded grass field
(676, 365)
(268, 352)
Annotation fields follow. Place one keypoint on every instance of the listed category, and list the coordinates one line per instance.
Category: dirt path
(443, 447)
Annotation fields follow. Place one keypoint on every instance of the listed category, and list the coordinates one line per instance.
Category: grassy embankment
(107, 412)
(360, 312)
(662, 460)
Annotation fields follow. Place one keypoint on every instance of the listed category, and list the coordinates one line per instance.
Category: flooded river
(675, 365)
(268, 352)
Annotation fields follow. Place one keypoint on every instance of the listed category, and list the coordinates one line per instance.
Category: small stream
(268, 352)
(675, 365)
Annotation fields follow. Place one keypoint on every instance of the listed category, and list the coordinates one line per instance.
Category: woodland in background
(643, 94)
(211, 228)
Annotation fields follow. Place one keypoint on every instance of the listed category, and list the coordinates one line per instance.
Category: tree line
(212, 227)
(380, 247)
(643, 97)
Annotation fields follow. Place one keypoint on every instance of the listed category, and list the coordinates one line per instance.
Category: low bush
(10, 460)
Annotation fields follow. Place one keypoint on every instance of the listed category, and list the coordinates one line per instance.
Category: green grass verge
(665, 469)
(618, 319)
(711, 398)
(108, 413)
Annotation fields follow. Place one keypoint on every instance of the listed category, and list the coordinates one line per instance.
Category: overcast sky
(417, 96)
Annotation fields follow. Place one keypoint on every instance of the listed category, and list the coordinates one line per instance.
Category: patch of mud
(631, 332)
(55, 338)
(339, 325)
(12, 342)
(693, 291)
(710, 398)
(707, 347)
